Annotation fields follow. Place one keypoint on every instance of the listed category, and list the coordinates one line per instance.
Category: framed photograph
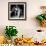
(16, 10)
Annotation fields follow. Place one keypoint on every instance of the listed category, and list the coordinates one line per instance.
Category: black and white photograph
(17, 10)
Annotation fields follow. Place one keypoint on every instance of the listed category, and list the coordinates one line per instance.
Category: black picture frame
(13, 7)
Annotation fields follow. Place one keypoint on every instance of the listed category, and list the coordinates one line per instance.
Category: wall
(28, 27)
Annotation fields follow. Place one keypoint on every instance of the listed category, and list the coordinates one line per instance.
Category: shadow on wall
(35, 22)
(2, 30)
